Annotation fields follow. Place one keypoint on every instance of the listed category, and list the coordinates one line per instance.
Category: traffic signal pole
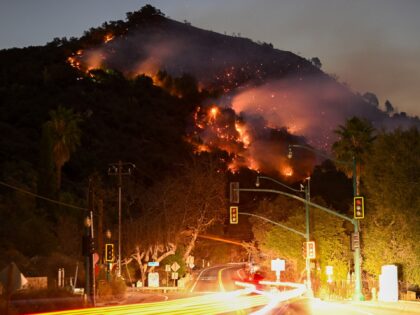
(358, 295)
(308, 260)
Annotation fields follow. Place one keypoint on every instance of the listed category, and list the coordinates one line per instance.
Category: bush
(115, 289)
(118, 288)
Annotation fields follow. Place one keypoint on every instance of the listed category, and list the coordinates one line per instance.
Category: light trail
(199, 305)
(218, 303)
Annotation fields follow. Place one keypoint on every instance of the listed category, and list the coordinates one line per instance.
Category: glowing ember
(287, 171)
(214, 111)
(108, 37)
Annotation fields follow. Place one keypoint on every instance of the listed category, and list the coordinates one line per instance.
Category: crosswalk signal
(234, 212)
(109, 252)
(359, 207)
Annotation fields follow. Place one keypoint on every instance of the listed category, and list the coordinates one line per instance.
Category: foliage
(65, 137)
(392, 233)
(326, 230)
(355, 140)
(174, 211)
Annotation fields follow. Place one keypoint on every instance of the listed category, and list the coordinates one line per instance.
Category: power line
(42, 197)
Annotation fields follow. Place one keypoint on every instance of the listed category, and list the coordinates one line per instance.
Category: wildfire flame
(216, 128)
(108, 38)
(287, 171)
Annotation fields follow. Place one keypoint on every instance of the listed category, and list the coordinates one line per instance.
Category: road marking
(222, 288)
(199, 275)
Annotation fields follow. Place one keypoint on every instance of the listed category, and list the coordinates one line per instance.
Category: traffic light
(310, 249)
(234, 192)
(359, 207)
(88, 245)
(234, 213)
(109, 252)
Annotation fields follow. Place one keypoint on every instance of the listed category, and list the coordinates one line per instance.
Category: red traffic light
(359, 207)
(234, 212)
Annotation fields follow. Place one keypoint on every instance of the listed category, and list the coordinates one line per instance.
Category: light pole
(108, 237)
(87, 248)
(119, 169)
(358, 295)
(306, 190)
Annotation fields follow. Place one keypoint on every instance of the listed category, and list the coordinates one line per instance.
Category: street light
(119, 169)
(306, 190)
(358, 295)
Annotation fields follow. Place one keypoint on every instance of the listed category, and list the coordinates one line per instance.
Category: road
(214, 292)
(220, 278)
(305, 306)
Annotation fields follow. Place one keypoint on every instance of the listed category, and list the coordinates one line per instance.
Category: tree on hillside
(355, 140)
(65, 137)
(392, 233)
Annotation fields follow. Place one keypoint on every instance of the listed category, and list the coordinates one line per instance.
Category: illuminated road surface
(216, 293)
(305, 306)
(229, 298)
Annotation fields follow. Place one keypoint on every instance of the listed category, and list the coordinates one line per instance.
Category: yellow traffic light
(109, 252)
(359, 207)
(234, 213)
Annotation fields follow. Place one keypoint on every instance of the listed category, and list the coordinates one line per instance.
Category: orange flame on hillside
(108, 38)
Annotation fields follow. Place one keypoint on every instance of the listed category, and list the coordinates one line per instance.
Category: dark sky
(372, 45)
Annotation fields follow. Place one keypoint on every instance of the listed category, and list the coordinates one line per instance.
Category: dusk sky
(373, 45)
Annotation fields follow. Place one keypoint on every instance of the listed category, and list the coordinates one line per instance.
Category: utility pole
(308, 260)
(119, 169)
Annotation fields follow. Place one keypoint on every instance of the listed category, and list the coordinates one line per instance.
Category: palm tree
(355, 140)
(65, 134)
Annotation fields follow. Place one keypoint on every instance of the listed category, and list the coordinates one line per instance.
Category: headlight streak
(277, 297)
(218, 303)
(199, 305)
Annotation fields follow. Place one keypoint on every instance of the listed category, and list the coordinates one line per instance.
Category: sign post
(175, 266)
(278, 265)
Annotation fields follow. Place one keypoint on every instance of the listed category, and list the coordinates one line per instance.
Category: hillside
(153, 91)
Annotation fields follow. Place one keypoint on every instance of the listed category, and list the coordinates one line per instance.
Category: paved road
(304, 306)
(214, 292)
(220, 278)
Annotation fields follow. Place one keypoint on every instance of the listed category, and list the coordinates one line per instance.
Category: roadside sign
(175, 266)
(153, 264)
(190, 259)
(355, 241)
(153, 279)
(329, 270)
(278, 265)
(167, 268)
(174, 275)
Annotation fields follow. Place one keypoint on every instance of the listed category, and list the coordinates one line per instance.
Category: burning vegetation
(269, 98)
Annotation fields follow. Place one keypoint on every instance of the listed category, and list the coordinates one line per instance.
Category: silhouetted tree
(316, 62)
(65, 137)
(371, 99)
